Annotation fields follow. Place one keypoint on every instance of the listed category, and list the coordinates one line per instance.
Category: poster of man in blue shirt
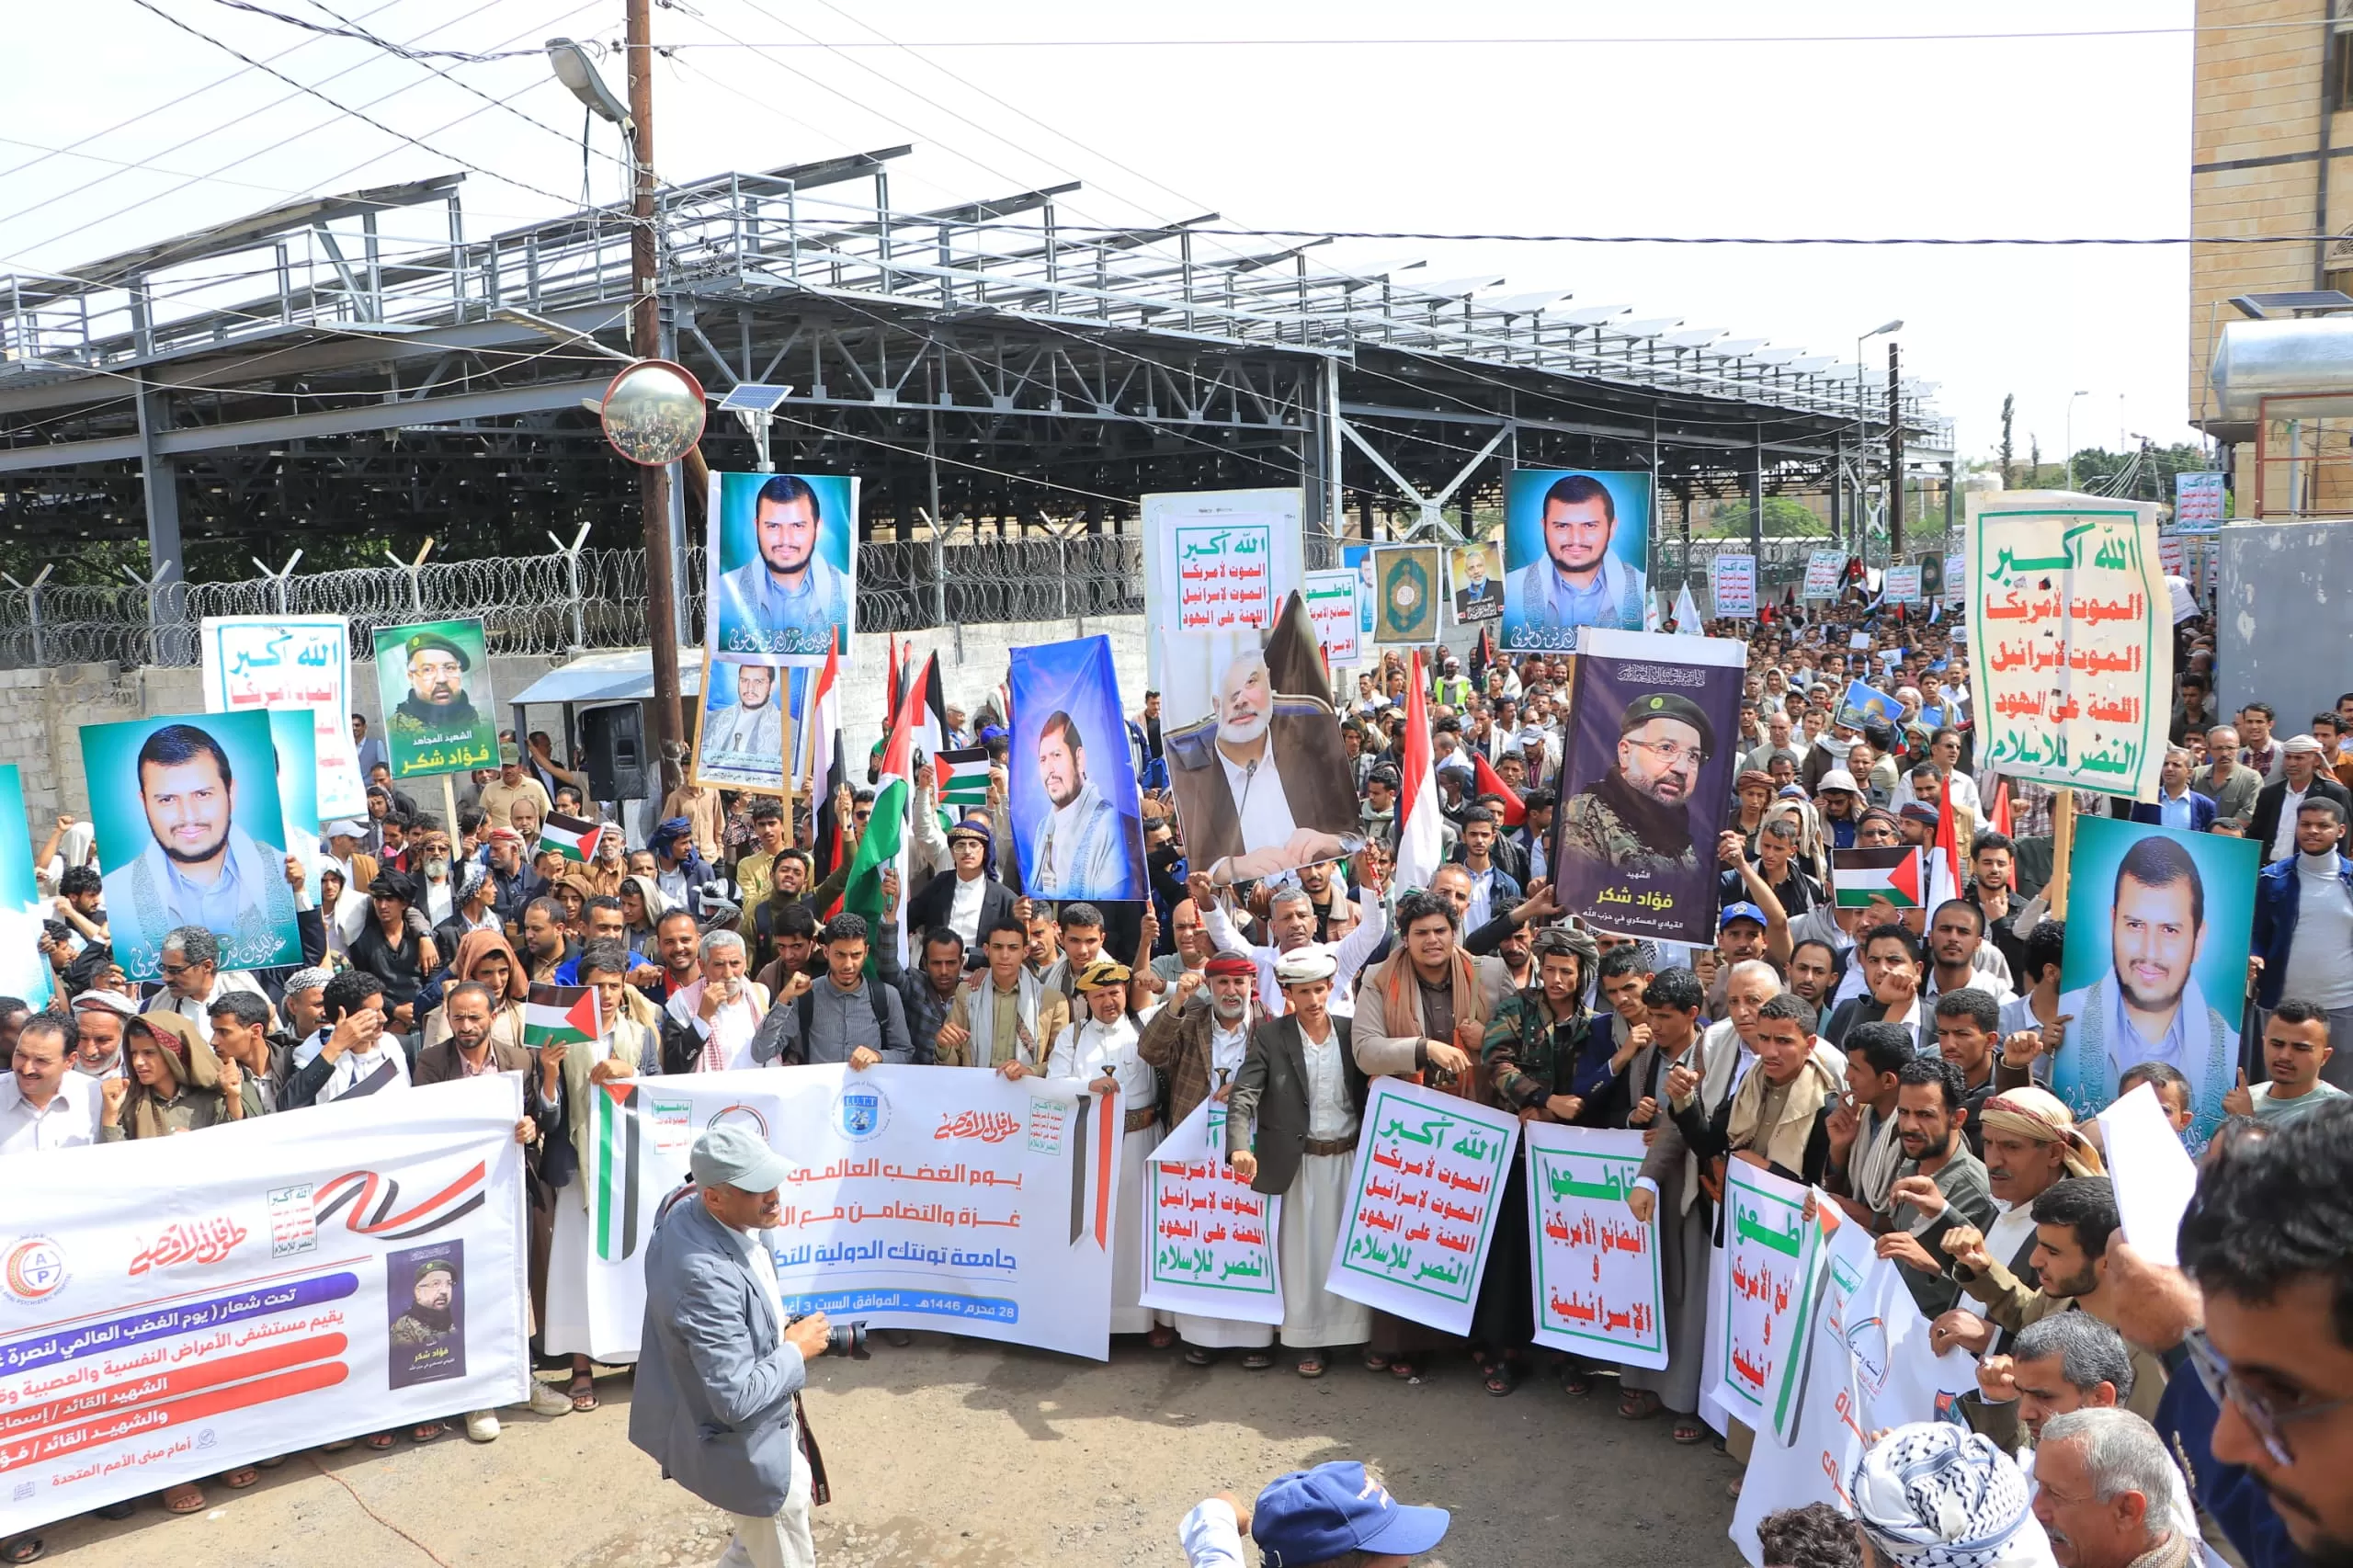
(1575, 550)
(188, 830)
(783, 566)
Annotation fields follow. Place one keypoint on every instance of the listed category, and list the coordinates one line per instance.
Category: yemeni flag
(616, 1160)
(963, 778)
(1420, 844)
(1862, 875)
(560, 1015)
(1491, 782)
(884, 843)
(821, 761)
(574, 838)
(1999, 816)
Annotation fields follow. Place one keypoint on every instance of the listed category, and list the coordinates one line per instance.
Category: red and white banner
(172, 1309)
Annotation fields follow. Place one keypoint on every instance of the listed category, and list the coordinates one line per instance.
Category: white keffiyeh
(1931, 1495)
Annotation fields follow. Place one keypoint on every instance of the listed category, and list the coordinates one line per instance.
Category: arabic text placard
(1771, 1259)
(1596, 1277)
(1422, 1212)
(1331, 605)
(1212, 1241)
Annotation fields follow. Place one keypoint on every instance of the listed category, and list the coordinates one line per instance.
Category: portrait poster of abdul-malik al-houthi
(190, 832)
(1646, 781)
(1262, 783)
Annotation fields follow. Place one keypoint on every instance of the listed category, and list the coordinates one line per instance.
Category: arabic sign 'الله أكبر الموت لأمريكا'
(2071, 655)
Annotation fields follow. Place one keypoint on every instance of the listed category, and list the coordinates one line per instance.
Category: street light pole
(645, 342)
(1862, 464)
(2071, 434)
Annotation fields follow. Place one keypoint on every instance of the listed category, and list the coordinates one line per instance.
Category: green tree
(1783, 515)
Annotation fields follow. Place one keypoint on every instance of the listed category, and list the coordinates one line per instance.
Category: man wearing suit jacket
(1890, 960)
(2177, 805)
(965, 898)
(1301, 1082)
(719, 1380)
(2302, 779)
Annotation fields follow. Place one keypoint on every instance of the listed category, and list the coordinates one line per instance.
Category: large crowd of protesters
(2129, 1415)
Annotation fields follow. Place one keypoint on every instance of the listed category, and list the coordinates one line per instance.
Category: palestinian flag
(963, 778)
(884, 846)
(1862, 875)
(574, 838)
(616, 1158)
(931, 723)
(820, 763)
(560, 1015)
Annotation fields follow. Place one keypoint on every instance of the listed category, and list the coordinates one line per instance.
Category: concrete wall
(2283, 617)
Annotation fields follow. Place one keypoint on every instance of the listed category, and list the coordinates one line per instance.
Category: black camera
(847, 1339)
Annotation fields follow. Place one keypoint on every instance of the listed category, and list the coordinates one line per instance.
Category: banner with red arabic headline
(171, 1309)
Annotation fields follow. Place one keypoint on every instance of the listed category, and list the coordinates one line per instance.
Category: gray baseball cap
(732, 1156)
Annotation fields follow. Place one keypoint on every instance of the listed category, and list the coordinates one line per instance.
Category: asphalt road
(965, 1455)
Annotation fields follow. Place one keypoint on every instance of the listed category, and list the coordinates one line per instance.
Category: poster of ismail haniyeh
(1071, 778)
(1262, 784)
(1646, 782)
(189, 833)
(434, 681)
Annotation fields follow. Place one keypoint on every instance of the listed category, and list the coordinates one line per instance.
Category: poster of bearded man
(1071, 777)
(1646, 782)
(1263, 783)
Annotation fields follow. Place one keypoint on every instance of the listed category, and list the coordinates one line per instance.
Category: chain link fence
(554, 604)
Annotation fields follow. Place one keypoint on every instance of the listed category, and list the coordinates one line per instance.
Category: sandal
(24, 1549)
(1195, 1356)
(1689, 1429)
(1637, 1404)
(1575, 1381)
(1160, 1337)
(1501, 1379)
(1310, 1366)
(237, 1480)
(425, 1432)
(1258, 1360)
(1403, 1370)
(382, 1441)
(187, 1497)
(583, 1390)
(1374, 1362)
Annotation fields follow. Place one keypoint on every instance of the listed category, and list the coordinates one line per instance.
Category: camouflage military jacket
(1529, 1058)
(1592, 828)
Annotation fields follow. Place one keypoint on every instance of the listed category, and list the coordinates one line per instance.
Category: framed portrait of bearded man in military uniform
(1646, 782)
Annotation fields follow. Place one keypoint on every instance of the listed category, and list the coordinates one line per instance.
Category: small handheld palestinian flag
(963, 778)
(560, 1015)
(1863, 875)
(574, 838)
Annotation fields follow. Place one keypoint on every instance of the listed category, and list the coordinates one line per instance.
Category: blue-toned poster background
(734, 631)
(23, 972)
(1077, 678)
(140, 908)
(2085, 1071)
(1534, 617)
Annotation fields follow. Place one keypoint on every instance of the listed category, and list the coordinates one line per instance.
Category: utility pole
(1894, 461)
(645, 342)
(2009, 403)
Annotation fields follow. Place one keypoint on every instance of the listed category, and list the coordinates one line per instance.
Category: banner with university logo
(1211, 1250)
(1870, 1367)
(169, 1311)
(1597, 1278)
(1424, 1204)
(916, 1199)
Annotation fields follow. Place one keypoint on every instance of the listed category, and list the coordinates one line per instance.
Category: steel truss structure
(358, 368)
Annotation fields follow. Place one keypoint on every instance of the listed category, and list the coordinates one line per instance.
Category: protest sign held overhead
(1217, 565)
(2072, 661)
(1826, 574)
(1643, 786)
(1071, 777)
(433, 680)
(1733, 580)
(1407, 584)
(2155, 962)
(296, 663)
(1263, 784)
(1902, 586)
(1424, 1201)
(783, 580)
(189, 833)
(1575, 554)
(1331, 605)
(740, 726)
(1475, 578)
(268, 1308)
(1861, 704)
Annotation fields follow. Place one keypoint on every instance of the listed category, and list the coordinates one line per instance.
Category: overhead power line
(1582, 41)
(362, 35)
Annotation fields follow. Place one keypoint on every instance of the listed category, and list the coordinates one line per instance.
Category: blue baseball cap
(1314, 1516)
(1744, 910)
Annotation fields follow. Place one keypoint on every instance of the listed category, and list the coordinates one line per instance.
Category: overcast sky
(1691, 134)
